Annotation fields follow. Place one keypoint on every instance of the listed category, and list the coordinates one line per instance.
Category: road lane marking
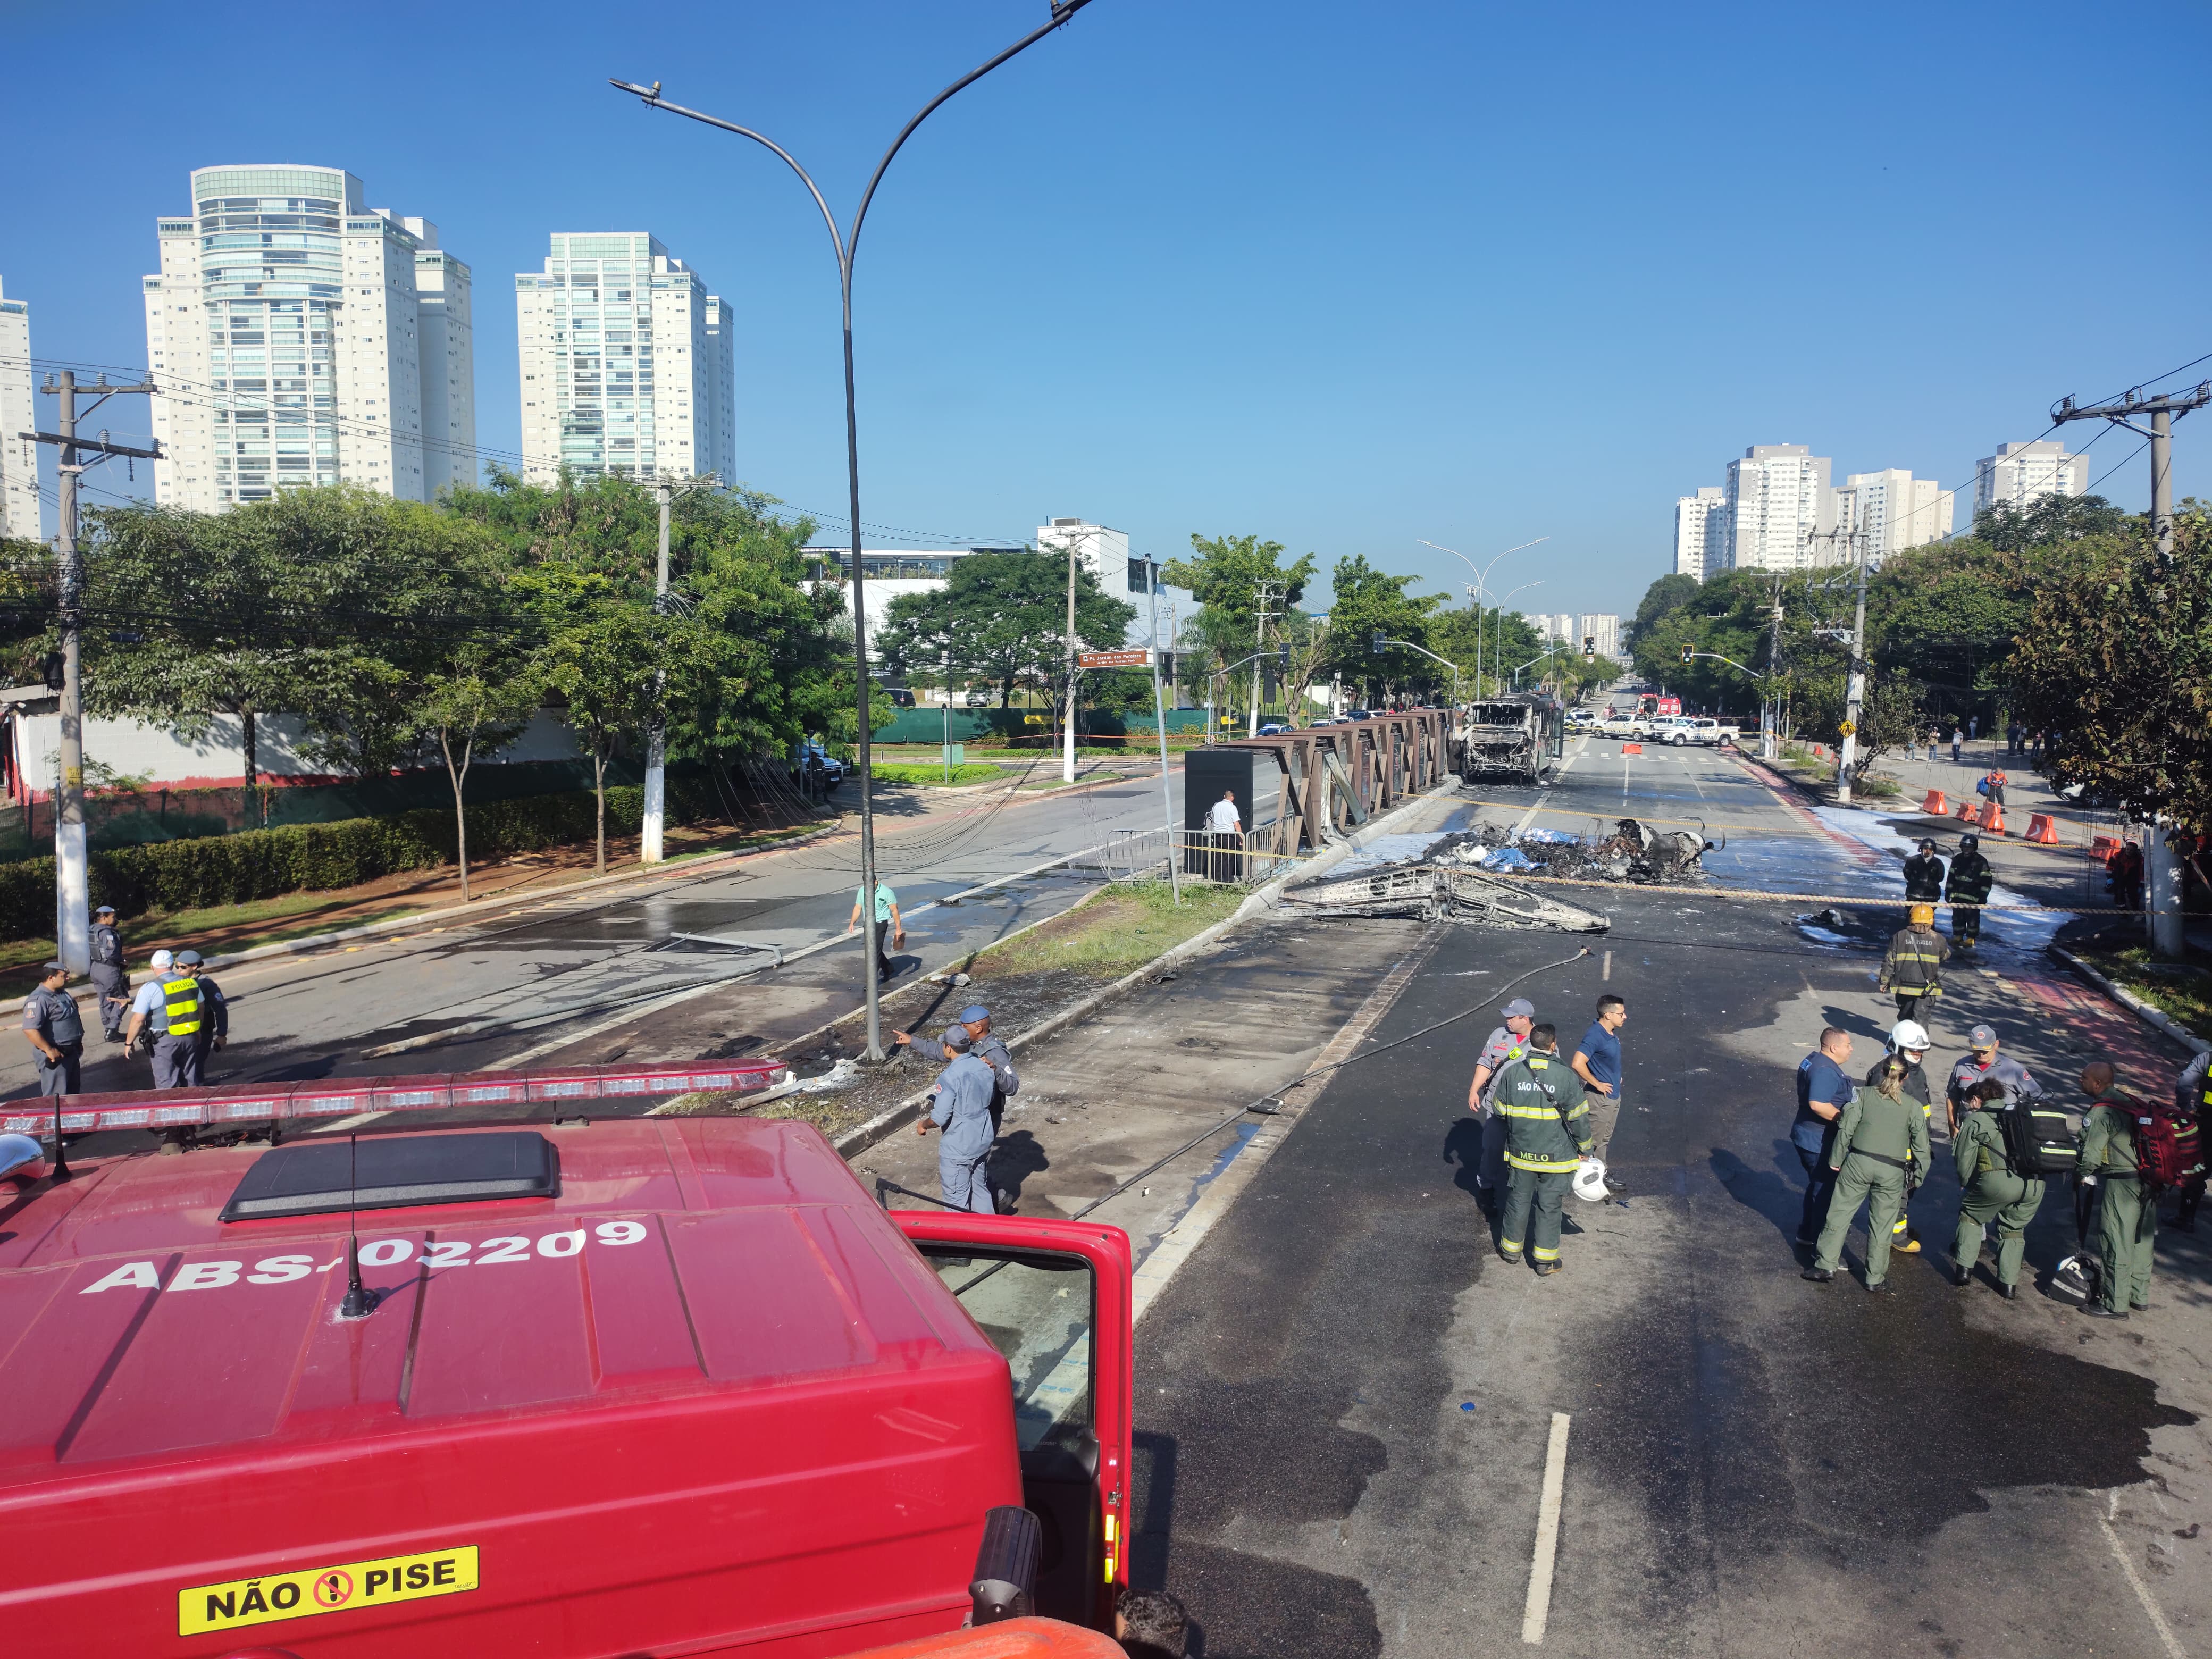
(1565, 767)
(1537, 1611)
(2143, 1591)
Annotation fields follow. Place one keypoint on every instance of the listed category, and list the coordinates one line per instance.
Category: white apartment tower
(1554, 625)
(1601, 626)
(2022, 474)
(1700, 532)
(1777, 499)
(300, 337)
(1892, 510)
(19, 456)
(627, 365)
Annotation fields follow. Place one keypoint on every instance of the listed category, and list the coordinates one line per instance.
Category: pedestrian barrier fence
(2042, 830)
(2103, 846)
(1233, 859)
(1966, 813)
(1934, 807)
(282, 1102)
(1993, 818)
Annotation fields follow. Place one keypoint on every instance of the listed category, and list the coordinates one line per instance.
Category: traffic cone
(1965, 813)
(1934, 807)
(2043, 830)
(1993, 818)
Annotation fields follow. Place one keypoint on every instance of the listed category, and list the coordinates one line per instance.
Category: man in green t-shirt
(887, 922)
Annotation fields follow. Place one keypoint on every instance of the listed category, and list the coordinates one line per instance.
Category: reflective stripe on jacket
(180, 1010)
(1540, 1135)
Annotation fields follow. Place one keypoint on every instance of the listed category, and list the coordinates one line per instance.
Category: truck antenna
(360, 1301)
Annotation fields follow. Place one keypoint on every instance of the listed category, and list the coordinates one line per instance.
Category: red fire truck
(1651, 704)
(642, 1386)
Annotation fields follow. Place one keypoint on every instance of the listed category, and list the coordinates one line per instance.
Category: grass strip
(2182, 991)
(924, 774)
(1121, 930)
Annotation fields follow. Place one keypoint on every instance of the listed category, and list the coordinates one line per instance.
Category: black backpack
(2039, 1140)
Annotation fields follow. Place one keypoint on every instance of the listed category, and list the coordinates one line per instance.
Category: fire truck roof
(642, 1260)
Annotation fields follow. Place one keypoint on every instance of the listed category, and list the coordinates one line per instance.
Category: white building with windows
(626, 363)
(1700, 532)
(19, 456)
(1603, 627)
(1892, 510)
(1106, 552)
(2020, 475)
(301, 337)
(1777, 498)
(1555, 625)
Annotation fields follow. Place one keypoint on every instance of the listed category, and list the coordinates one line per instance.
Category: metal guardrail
(1234, 859)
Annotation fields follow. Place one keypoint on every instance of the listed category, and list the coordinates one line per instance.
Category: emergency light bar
(247, 1102)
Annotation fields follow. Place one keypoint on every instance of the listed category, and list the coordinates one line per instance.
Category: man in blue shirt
(1824, 1089)
(1597, 1063)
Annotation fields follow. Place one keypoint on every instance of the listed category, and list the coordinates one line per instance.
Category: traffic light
(1380, 640)
(51, 668)
(1590, 647)
(1686, 656)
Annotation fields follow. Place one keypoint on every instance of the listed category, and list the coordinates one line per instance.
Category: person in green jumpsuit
(1546, 1135)
(1991, 1190)
(1879, 1130)
(2128, 1224)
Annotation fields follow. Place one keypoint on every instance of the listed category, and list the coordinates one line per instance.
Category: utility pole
(1770, 742)
(1855, 686)
(650, 850)
(1067, 724)
(945, 692)
(1269, 592)
(2162, 411)
(2164, 880)
(72, 872)
(1160, 721)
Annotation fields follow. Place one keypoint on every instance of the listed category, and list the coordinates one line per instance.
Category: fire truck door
(1054, 1296)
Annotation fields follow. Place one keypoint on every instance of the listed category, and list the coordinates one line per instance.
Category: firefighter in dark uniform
(1923, 875)
(1546, 1137)
(108, 976)
(1913, 969)
(1991, 1190)
(1968, 890)
(214, 1022)
(55, 1031)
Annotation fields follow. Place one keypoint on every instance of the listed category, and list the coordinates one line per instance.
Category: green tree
(1368, 602)
(471, 690)
(1225, 574)
(1003, 619)
(1663, 599)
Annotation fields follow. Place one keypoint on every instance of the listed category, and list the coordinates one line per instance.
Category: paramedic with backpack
(1983, 1061)
(2129, 1219)
(1993, 1189)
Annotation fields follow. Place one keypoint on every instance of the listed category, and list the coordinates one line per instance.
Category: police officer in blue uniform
(215, 1014)
(55, 1031)
(107, 975)
(962, 1111)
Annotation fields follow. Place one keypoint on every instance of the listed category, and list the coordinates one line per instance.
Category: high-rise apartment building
(1777, 499)
(1554, 625)
(1892, 510)
(626, 364)
(19, 456)
(1700, 532)
(2022, 474)
(299, 338)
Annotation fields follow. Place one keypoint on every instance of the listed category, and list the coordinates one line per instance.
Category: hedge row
(259, 864)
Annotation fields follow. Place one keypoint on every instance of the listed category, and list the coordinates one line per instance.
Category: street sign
(1139, 657)
(1846, 727)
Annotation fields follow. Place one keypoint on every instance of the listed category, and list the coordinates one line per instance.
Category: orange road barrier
(2043, 830)
(1993, 818)
(1631, 749)
(1935, 806)
(2103, 846)
(1965, 813)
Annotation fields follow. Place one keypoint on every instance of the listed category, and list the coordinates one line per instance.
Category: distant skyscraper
(1601, 626)
(300, 337)
(627, 366)
(1554, 625)
(19, 456)
(1700, 532)
(2022, 474)
(1893, 510)
(1777, 499)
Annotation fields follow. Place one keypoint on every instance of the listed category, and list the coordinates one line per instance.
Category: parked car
(1275, 728)
(1359, 714)
(1625, 725)
(1682, 730)
(811, 755)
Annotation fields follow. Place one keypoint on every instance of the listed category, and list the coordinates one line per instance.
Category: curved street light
(1523, 588)
(1480, 586)
(846, 243)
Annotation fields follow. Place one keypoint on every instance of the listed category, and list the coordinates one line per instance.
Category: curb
(864, 1136)
(2156, 1019)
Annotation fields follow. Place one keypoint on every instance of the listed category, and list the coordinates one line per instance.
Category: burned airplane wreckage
(1466, 877)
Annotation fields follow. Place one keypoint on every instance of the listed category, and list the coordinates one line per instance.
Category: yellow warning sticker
(341, 1589)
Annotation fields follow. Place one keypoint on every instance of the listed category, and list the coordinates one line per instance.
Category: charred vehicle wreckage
(1470, 876)
(1514, 736)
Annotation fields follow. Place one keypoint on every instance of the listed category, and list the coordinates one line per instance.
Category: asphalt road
(550, 971)
(1346, 1401)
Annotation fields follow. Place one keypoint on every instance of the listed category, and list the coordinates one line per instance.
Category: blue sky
(1349, 276)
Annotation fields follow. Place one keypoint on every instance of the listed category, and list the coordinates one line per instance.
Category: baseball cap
(956, 1040)
(188, 958)
(974, 1010)
(1519, 1008)
(103, 910)
(163, 959)
(1981, 1036)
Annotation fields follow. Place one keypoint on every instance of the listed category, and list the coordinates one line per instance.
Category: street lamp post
(845, 245)
(1524, 587)
(1482, 584)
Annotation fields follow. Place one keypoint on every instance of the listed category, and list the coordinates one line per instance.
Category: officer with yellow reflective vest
(1879, 1131)
(1912, 971)
(170, 1007)
(1547, 1137)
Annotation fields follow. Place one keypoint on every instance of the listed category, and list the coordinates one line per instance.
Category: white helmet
(1909, 1034)
(1589, 1181)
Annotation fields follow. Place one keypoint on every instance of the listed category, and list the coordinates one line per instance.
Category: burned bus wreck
(1513, 737)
